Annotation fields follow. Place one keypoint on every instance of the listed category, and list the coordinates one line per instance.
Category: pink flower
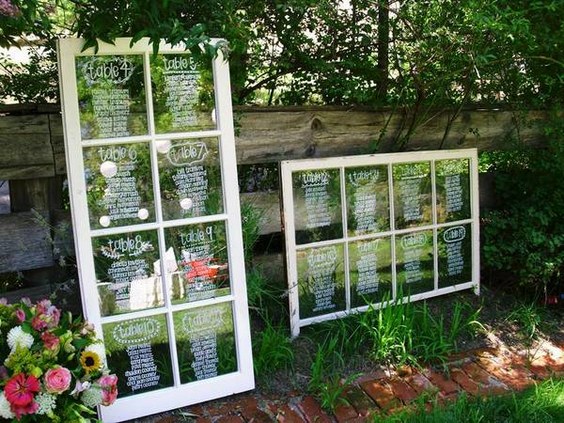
(19, 411)
(50, 341)
(20, 315)
(7, 8)
(108, 383)
(47, 315)
(20, 392)
(38, 324)
(57, 380)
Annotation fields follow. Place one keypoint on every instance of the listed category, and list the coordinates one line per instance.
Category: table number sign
(362, 230)
(156, 218)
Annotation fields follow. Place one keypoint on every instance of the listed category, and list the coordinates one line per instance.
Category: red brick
(249, 409)
(487, 382)
(421, 384)
(490, 364)
(476, 373)
(375, 375)
(459, 358)
(515, 377)
(540, 365)
(404, 371)
(540, 372)
(486, 352)
(230, 419)
(362, 403)
(381, 393)
(345, 413)
(464, 381)
(312, 411)
(167, 419)
(402, 390)
(217, 408)
(284, 414)
(443, 399)
(556, 364)
(196, 410)
(445, 385)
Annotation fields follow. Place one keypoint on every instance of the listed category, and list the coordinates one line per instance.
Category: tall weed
(404, 333)
(326, 382)
(272, 350)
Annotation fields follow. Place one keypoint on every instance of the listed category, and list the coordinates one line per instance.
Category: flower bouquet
(52, 368)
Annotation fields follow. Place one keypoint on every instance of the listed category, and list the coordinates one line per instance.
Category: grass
(410, 333)
(397, 334)
(543, 403)
(272, 350)
(326, 381)
(529, 317)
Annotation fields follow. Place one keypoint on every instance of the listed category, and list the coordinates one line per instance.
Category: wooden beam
(25, 242)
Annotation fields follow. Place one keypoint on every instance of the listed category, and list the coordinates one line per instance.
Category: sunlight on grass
(543, 403)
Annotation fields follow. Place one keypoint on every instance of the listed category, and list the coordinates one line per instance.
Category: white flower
(100, 351)
(18, 338)
(80, 387)
(92, 397)
(5, 411)
(46, 402)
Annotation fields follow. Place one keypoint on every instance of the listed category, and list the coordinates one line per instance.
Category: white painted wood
(179, 395)
(287, 168)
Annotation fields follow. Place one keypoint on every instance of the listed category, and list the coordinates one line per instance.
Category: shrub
(526, 236)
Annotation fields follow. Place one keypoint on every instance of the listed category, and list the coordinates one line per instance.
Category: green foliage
(529, 317)
(404, 333)
(30, 82)
(540, 404)
(347, 336)
(416, 55)
(250, 219)
(326, 382)
(264, 298)
(272, 350)
(41, 18)
(526, 236)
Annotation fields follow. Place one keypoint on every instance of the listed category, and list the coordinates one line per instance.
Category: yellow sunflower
(90, 361)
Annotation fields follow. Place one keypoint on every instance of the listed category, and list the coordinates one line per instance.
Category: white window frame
(287, 168)
(179, 395)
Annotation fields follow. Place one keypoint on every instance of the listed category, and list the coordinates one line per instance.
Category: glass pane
(206, 342)
(190, 178)
(127, 269)
(370, 264)
(196, 262)
(139, 354)
(455, 255)
(317, 205)
(453, 189)
(412, 194)
(182, 94)
(367, 200)
(118, 183)
(414, 263)
(321, 280)
(111, 96)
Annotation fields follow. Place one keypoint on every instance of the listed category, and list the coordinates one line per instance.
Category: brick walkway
(478, 372)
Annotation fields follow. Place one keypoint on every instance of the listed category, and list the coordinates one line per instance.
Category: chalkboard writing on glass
(365, 231)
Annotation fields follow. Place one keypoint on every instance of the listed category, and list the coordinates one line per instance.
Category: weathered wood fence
(32, 159)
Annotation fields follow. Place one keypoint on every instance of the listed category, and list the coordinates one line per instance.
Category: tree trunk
(383, 47)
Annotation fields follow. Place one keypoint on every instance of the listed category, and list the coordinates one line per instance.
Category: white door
(157, 226)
